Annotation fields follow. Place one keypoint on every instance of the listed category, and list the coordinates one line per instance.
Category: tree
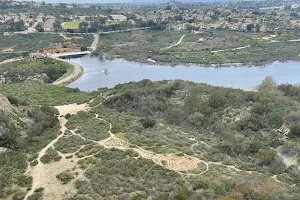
(294, 15)
(39, 27)
(250, 27)
(295, 131)
(83, 26)
(268, 85)
(266, 156)
(57, 26)
(169, 7)
(16, 26)
(258, 26)
(83, 48)
(148, 122)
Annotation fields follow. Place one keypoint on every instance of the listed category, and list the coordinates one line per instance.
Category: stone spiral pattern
(176, 163)
(116, 143)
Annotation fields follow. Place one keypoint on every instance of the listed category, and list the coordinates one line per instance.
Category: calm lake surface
(122, 71)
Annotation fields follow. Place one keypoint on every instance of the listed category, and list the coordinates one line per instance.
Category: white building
(119, 18)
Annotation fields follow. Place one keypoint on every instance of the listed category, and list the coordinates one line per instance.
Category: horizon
(125, 1)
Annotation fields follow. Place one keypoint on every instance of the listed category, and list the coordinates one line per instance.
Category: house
(35, 56)
(119, 18)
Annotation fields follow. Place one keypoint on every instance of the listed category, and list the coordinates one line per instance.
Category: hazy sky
(119, 1)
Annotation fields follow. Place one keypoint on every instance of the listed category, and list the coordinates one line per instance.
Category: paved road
(95, 42)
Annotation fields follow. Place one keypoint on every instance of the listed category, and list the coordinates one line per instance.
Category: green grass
(121, 136)
(199, 48)
(112, 23)
(45, 94)
(71, 25)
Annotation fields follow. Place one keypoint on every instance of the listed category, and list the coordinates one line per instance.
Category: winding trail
(44, 175)
(173, 45)
(11, 60)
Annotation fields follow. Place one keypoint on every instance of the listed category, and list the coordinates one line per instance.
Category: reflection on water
(122, 71)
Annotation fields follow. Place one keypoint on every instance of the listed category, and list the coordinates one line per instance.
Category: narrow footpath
(174, 45)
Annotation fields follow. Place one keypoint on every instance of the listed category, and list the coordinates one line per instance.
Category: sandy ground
(11, 60)
(44, 175)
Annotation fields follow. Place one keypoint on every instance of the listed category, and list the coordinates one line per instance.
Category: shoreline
(153, 62)
(78, 71)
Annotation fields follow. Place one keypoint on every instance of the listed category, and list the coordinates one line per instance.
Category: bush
(19, 196)
(83, 48)
(295, 131)
(266, 156)
(148, 122)
(65, 177)
(13, 100)
(68, 116)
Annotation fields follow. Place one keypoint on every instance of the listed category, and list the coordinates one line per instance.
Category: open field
(207, 47)
(71, 25)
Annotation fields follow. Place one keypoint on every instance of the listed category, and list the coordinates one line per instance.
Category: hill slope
(158, 140)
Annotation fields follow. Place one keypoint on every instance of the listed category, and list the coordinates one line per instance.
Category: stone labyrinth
(177, 163)
(116, 143)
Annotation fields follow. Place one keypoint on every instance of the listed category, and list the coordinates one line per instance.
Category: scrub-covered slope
(158, 140)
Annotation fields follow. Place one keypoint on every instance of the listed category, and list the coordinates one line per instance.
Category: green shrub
(295, 131)
(148, 122)
(266, 156)
(13, 100)
(68, 116)
(65, 177)
(19, 196)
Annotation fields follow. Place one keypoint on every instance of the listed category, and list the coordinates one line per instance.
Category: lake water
(122, 71)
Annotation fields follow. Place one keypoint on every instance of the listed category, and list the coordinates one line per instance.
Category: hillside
(158, 140)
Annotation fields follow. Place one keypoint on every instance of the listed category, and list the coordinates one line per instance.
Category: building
(119, 18)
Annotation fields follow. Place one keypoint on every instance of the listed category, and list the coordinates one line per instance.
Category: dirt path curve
(173, 45)
(11, 60)
(44, 175)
